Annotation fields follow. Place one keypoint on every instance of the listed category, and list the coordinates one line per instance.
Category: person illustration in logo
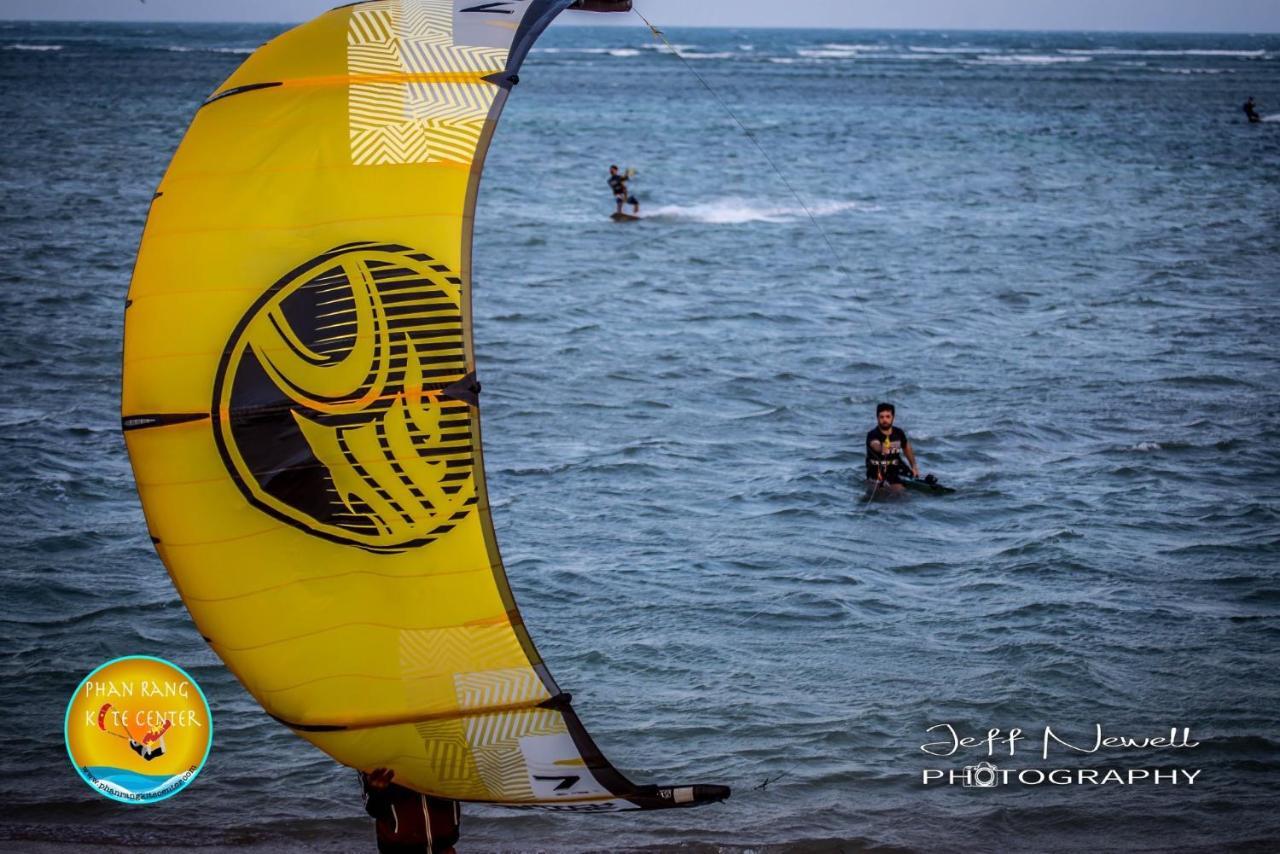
(148, 753)
(143, 740)
(409, 822)
(151, 745)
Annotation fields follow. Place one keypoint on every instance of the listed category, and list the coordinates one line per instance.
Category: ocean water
(1058, 254)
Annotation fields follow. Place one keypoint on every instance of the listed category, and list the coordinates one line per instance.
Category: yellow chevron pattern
(415, 121)
(495, 744)
(445, 747)
(430, 655)
(499, 688)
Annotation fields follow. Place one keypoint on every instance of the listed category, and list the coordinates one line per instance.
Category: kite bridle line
(835, 254)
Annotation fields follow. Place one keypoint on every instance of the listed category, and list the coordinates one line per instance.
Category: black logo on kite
(566, 782)
(340, 404)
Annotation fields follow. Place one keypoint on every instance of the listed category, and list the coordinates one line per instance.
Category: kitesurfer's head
(613, 170)
(884, 415)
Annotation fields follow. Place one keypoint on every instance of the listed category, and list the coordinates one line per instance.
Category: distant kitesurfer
(1250, 110)
(885, 446)
(409, 822)
(621, 194)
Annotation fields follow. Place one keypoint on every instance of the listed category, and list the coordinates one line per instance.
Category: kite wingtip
(710, 794)
(682, 796)
(602, 6)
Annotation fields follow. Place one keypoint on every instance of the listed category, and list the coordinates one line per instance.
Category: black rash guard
(410, 822)
(889, 458)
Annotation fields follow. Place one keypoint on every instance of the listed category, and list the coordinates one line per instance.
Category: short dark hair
(885, 407)
(614, 166)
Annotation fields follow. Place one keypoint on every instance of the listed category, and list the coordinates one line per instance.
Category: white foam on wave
(174, 48)
(827, 54)
(1272, 117)
(672, 48)
(854, 48)
(965, 49)
(591, 51)
(1030, 59)
(735, 211)
(1168, 69)
(1121, 51)
(1146, 447)
(842, 50)
(21, 46)
(687, 51)
(881, 52)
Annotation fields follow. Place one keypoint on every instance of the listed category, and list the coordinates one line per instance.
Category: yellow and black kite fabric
(302, 412)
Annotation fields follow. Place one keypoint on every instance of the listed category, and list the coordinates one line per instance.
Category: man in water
(1250, 110)
(885, 445)
(409, 822)
(621, 195)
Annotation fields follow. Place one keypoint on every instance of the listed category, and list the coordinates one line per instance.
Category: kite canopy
(301, 408)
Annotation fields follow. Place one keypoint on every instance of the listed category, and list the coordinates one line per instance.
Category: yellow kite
(302, 412)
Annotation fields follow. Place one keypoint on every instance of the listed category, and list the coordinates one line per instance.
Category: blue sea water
(1057, 253)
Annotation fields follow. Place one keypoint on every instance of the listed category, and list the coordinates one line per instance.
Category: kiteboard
(928, 483)
(624, 217)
